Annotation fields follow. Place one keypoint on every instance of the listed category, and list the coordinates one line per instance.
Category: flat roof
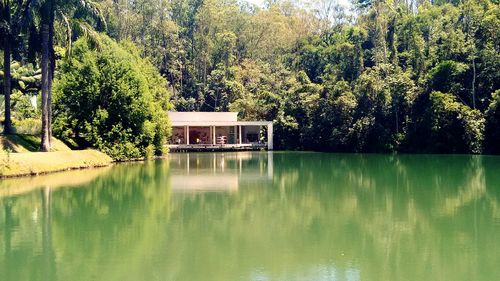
(205, 119)
(219, 123)
(202, 116)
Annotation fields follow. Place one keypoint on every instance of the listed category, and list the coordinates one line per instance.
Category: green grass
(27, 143)
(19, 156)
(34, 163)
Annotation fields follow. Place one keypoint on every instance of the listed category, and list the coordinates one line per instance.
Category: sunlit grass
(33, 163)
(27, 143)
(19, 156)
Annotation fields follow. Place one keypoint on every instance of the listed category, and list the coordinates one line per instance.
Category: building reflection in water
(219, 171)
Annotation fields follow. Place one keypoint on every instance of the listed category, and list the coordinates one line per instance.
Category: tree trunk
(48, 63)
(45, 143)
(49, 102)
(397, 121)
(7, 84)
(52, 67)
(474, 82)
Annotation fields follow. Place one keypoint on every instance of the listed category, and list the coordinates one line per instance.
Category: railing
(217, 147)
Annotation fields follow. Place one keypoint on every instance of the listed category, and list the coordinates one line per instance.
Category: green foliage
(447, 77)
(329, 79)
(24, 106)
(111, 100)
(30, 126)
(455, 127)
(25, 78)
(492, 134)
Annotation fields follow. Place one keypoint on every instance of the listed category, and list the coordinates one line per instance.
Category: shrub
(455, 127)
(28, 126)
(112, 100)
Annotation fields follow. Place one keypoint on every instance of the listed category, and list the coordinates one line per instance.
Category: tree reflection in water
(260, 216)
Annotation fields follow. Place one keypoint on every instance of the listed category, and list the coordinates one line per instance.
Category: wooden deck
(216, 147)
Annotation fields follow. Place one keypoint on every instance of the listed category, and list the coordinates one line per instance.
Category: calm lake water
(257, 216)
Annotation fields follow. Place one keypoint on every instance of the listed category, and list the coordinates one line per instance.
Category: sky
(256, 2)
(260, 2)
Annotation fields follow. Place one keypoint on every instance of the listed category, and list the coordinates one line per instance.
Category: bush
(28, 126)
(112, 100)
(455, 127)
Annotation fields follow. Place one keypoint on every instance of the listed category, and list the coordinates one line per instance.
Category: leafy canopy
(112, 100)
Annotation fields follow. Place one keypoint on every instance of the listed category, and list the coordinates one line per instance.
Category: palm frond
(94, 10)
(27, 13)
(68, 32)
(83, 28)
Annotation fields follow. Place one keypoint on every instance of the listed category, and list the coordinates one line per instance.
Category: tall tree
(48, 63)
(47, 24)
(15, 19)
(5, 31)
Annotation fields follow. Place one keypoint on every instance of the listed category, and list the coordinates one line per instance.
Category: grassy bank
(27, 143)
(19, 157)
(34, 163)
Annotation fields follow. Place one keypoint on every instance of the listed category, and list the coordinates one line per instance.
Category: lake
(257, 216)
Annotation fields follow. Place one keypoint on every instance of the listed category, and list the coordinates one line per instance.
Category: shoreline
(43, 173)
(31, 164)
(15, 165)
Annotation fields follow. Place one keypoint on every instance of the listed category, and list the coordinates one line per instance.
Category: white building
(218, 130)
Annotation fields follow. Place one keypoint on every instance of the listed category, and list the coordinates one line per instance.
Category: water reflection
(16, 186)
(276, 216)
(219, 171)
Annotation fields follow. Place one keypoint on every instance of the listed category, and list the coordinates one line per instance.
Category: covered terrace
(218, 131)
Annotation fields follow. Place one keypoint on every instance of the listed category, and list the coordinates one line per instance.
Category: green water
(257, 216)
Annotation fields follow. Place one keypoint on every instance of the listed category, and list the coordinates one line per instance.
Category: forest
(372, 76)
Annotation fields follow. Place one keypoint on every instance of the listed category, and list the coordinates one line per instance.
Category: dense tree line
(386, 76)
(411, 76)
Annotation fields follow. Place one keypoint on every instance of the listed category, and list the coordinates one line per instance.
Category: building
(218, 131)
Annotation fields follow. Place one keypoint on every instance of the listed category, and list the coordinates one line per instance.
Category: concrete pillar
(270, 136)
(239, 133)
(214, 138)
(187, 134)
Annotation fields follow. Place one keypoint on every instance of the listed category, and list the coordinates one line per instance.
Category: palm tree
(48, 12)
(5, 31)
(47, 24)
(14, 19)
(18, 16)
